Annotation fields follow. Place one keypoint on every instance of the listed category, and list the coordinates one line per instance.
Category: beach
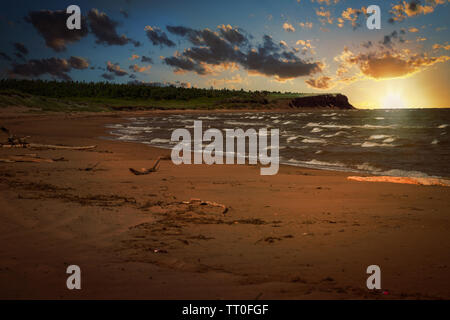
(299, 234)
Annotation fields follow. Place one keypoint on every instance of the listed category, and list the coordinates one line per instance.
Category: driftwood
(91, 168)
(16, 142)
(29, 158)
(144, 171)
(204, 203)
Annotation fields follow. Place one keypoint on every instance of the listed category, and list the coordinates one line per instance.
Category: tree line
(65, 89)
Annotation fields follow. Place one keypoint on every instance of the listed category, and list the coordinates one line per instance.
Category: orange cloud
(438, 46)
(386, 65)
(322, 83)
(324, 16)
(413, 30)
(306, 25)
(288, 27)
(136, 68)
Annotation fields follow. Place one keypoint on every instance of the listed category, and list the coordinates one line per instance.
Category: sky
(288, 45)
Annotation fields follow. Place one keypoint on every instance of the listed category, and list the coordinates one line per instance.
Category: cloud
(104, 30)
(78, 63)
(306, 25)
(56, 67)
(413, 29)
(212, 50)
(288, 27)
(386, 65)
(5, 56)
(283, 44)
(21, 48)
(352, 15)
(158, 37)
(52, 26)
(405, 9)
(146, 59)
(115, 68)
(136, 68)
(324, 16)
(124, 13)
(232, 35)
(438, 46)
(323, 82)
(107, 76)
(327, 2)
(390, 39)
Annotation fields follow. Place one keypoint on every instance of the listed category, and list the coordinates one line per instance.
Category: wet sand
(301, 234)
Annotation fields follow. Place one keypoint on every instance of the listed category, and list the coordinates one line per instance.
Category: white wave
(329, 114)
(314, 130)
(324, 163)
(371, 126)
(241, 123)
(367, 167)
(312, 124)
(378, 136)
(379, 118)
(331, 126)
(207, 118)
(126, 138)
(435, 141)
(334, 134)
(312, 140)
(159, 140)
(443, 126)
(368, 144)
(292, 138)
(287, 122)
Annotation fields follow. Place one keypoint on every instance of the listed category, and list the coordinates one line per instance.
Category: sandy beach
(300, 234)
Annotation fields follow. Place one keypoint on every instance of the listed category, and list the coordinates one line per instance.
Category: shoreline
(301, 234)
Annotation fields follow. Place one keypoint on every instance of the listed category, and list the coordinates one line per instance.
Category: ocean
(391, 142)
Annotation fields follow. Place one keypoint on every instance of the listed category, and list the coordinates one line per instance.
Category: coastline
(301, 234)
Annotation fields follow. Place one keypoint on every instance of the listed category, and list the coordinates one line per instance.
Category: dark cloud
(107, 76)
(5, 56)
(56, 67)
(232, 35)
(52, 26)
(158, 37)
(19, 55)
(146, 59)
(104, 30)
(213, 49)
(78, 63)
(124, 13)
(192, 35)
(367, 44)
(20, 47)
(115, 68)
(390, 39)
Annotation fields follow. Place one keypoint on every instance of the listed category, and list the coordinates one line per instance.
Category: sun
(392, 101)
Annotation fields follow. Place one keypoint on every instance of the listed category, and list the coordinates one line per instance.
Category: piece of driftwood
(91, 168)
(47, 146)
(205, 202)
(12, 159)
(144, 171)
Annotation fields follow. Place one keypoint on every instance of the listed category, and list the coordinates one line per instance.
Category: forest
(68, 89)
